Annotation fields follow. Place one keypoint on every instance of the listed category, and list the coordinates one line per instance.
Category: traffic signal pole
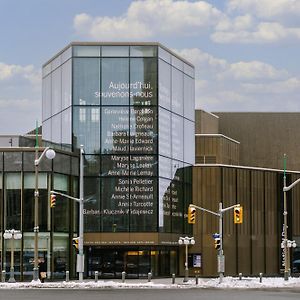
(221, 256)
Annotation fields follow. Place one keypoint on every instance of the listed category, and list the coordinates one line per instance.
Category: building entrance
(136, 262)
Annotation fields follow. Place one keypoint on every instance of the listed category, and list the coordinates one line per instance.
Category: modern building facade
(56, 226)
(132, 108)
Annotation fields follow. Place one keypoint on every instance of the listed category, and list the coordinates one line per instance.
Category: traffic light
(217, 243)
(191, 215)
(238, 215)
(52, 200)
(75, 243)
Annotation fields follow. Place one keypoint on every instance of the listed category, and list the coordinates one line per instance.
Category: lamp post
(50, 154)
(12, 235)
(186, 241)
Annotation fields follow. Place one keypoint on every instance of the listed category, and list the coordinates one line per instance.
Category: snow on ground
(227, 282)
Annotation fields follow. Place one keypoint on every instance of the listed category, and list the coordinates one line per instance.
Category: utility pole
(219, 214)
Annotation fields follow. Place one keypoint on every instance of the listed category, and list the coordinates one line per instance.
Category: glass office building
(56, 226)
(131, 105)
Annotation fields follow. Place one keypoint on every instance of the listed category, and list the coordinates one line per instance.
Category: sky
(245, 52)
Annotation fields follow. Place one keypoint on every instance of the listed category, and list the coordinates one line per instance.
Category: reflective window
(12, 161)
(164, 85)
(115, 130)
(177, 91)
(165, 55)
(189, 98)
(189, 141)
(165, 167)
(164, 205)
(189, 70)
(56, 91)
(115, 204)
(143, 130)
(164, 132)
(67, 54)
(143, 204)
(177, 63)
(46, 128)
(177, 137)
(143, 51)
(56, 62)
(115, 165)
(66, 84)
(56, 129)
(86, 81)
(66, 134)
(61, 213)
(87, 129)
(13, 201)
(115, 51)
(143, 81)
(91, 165)
(62, 163)
(115, 81)
(47, 97)
(91, 210)
(60, 254)
(143, 165)
(86, 51)
(177, 206)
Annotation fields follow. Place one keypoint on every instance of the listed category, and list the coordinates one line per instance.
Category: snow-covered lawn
(228, 282)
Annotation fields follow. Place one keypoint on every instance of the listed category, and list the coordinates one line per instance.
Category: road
(147, 294)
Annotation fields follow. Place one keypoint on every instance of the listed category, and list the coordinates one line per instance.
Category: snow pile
(227, 282)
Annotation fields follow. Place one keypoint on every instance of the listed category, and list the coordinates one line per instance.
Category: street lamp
(186, 241)
(12, 235)
(50, 154)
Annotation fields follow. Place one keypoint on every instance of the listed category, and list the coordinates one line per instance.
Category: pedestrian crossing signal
(52, 201)
(191, 215)
(238, 215)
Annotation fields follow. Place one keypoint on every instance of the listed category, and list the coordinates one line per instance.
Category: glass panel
(115, 204)
(143, 130)
(177, 91)
(143, 51)
(115, 51)
(164, 85)
(13, 201)
(177, 170)
(115, 165)
(177, 137)
(1, 161)
(29, 180)
(165, 55)
(115, 79)
(143, 81)
(143, 165)
(86, 81)
(115, 130)
(189, 70)
(12, 161)
(46, 108)
(189, 98)
(164, 205)
(189, 141)
(86, 51)
(164, 132)
(66, 55)
(66, 134)
(56, 91)
(60, 254)
(165, 167)
(87, 129)
(91, 210)
(46, 70)
(75, 165)
(91, 165)
(28, 162)
(61, 213)
(177, 207)
(66, 84)
(143, 204)
(56, 129)
(47, 127)
(177, 63)
(56, 62)
(62, 164)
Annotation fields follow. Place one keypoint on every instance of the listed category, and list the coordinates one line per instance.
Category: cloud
(241, 86)
(148, 18)
(269, 9)
(265, 32)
